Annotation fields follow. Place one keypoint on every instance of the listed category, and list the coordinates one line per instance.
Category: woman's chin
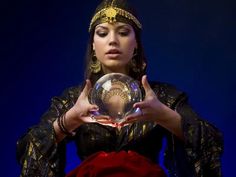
(115, 67)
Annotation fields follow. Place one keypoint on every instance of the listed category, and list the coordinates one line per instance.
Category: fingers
(89, 119)
(87, 88)
(137, 112)
(102, 119)
(131, 119)
(93, 108)
(127, 122)
(147, 88)
(141, 105)
(137, 115)
(145, 84)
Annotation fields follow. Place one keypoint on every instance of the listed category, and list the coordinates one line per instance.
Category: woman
(193, 145)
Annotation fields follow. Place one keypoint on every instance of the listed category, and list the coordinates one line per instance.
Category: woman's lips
(113, 53)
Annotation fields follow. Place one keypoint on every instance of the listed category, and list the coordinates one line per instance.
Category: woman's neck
(110, 70)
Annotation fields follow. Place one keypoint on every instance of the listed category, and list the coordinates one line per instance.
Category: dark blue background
(190, 44)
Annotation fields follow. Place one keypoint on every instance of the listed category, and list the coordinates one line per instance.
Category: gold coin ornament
(111, 15)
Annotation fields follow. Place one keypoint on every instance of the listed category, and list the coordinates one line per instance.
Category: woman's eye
(124, 33)
(101, 33)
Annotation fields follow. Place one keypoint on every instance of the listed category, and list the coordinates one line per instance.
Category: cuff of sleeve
(44, 139)
(190, 128)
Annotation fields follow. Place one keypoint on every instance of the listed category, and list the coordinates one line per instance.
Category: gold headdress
(109, 14)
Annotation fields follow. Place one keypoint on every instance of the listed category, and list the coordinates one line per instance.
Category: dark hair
(137, 71)
(139, 58)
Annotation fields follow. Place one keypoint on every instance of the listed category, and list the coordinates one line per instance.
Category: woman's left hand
(150, 108)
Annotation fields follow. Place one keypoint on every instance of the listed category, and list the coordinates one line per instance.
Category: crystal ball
(115, 94)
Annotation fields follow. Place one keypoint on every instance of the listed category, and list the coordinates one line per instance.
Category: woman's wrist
(58, 133)
(66, 124)
(63, 127)
(72, 120)
(171, 120)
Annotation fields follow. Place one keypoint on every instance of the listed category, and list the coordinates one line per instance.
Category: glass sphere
(115, 95)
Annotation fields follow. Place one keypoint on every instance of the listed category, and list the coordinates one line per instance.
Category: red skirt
(117, 164)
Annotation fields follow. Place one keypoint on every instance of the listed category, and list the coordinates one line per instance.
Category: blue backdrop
(190, 44)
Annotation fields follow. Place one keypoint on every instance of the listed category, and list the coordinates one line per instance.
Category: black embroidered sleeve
(37, 151)
(203, 143)
(199, 154)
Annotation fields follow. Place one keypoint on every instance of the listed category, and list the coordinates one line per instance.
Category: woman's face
(114, 46)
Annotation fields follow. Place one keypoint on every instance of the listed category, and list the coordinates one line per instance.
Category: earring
(133, 62)
(135, 52)
(95, 65)
(133, 65)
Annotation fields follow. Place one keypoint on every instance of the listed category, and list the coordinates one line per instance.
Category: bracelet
(61, 124)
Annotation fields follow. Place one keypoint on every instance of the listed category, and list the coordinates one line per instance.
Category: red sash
(117, 164)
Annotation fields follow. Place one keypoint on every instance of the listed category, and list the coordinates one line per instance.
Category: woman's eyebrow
(123, 26)
(100, 26)
(116, 27)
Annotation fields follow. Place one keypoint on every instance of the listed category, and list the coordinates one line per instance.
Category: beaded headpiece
(113, 11)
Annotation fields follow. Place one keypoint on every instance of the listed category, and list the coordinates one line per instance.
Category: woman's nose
(113, 39)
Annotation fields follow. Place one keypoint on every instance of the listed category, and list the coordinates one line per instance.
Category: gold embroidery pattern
(109, 14)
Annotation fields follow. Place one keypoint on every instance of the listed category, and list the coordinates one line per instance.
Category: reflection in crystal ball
(115, 95)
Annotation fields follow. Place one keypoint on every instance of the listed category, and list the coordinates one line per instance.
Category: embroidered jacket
(197, 156)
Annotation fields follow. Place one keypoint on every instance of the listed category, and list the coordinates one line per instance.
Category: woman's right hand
(80, 113)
